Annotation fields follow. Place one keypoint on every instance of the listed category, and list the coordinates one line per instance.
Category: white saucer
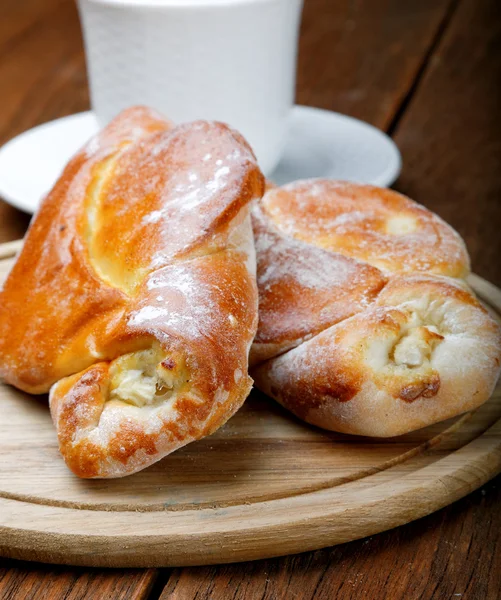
(319, 143)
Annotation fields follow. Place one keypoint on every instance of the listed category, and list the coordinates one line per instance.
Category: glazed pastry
(134, 296)
(366, 323)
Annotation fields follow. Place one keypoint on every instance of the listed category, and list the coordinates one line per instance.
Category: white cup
(228, 60)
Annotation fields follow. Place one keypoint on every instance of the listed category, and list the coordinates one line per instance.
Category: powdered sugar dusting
(92, 146)
(298, 265)
(181, 199)
(375, 225)
(152, 217)
(146, 314)
(168, 271)
(302, 288)
(281, 257)
(416, 350)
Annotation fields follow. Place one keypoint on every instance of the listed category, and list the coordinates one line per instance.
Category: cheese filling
(144, 377)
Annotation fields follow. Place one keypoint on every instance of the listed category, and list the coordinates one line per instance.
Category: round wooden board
(264, 485)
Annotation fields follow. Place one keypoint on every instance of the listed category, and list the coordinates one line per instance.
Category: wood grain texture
(454, 551)
(450, 136)
(42, 70)
(452, 554)
(263, 485)
(42, 65)
(24, 581)
(361, 57)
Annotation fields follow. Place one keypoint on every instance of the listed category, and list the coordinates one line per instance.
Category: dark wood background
(429, 73)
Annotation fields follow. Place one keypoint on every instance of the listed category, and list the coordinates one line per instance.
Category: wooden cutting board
(264, 485)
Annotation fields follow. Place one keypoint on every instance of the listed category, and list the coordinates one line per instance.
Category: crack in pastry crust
(102, 173)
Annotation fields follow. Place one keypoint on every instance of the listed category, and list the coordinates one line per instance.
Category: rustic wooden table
(429, 73)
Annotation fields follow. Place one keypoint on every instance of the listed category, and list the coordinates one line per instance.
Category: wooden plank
(453, 554)
(13, 222)
(361, 58)
(30, 581)
(18, 17)
(42, 70)
(450, 136)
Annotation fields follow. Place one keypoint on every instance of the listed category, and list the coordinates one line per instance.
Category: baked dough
(366, 323)
(134, 296)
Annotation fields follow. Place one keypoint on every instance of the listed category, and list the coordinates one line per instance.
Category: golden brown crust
(374, 225)
(416, 349)
(135, 292)
(400, 365)
(303, 289)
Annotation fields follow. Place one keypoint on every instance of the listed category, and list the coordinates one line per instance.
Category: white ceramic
(319, 143)
(227, 60)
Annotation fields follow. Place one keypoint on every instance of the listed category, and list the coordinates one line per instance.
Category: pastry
(366, 324)
(134, 298)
